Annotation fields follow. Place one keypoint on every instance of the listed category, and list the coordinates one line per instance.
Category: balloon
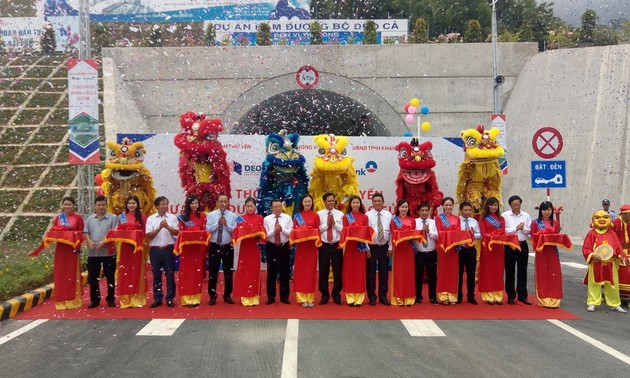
(409, 118)
(407, 107)
(424, 110)
(414, 102)
(98, 180)
(426, 126)
(411, 110)
(407, 134)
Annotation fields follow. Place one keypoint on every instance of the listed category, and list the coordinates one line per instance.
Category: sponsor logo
(246, 169)
(370, 167)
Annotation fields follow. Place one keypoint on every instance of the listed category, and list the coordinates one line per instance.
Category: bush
(473, 33)
(155, 39)
(420, 32)
(48, 40)
(316, 33)
(210, 35)
(369, 33)
(263, 37)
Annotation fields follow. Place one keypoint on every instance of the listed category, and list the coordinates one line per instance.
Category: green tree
(589, 24)
(263, 37)
(473, 32)
(605, 36)
(155, 39)
(420, 32)
(316, 33)
(101, 37)
(369, 33)
(48, 41)
(210, 35)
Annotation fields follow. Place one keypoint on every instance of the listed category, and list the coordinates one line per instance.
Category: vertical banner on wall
(499, 121)
(83, 111)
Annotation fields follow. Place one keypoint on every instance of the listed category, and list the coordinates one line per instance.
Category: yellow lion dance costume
(333, 171)
(125, 174)
(479, 174)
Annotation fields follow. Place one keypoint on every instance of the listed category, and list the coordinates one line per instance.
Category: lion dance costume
(203, 166)
(479, 174)
(125, 174)
(283, 174)
(416, 180)
(333, 171)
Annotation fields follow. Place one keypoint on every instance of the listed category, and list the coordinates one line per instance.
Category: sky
(571, 10)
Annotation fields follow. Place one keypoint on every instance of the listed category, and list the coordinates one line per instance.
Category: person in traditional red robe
(403, 265)
(602, 273)
(247, 280)
(547, 269)
(448, 259)
(620, 226)
(130, 258)
(192, 253)
(355, 254)
(67, 263)
(305, 271)
(492, 257)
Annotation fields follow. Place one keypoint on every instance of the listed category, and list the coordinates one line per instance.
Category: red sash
(133, 237)
(71, 238)
(241, 233)
(305, 233)
(451, 239)
(361, 234)
(399, 236)
(190, 238)
(511, 240)
(540, 241)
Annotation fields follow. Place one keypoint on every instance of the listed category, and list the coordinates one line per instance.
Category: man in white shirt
(220, 223)
(278, 226)
(606, 207)
(517, 222)
(161, 228)
(468, 255)
(426, 255)
(380, 249)
(330, 225)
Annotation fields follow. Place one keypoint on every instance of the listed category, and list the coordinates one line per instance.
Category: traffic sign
(549, 174)
(547, 142)
(307, 77)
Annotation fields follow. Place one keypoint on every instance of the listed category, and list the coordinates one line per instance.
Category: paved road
(274, 348)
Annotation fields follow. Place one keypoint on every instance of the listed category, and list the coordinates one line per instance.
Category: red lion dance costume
(416, 180)
(203, 166)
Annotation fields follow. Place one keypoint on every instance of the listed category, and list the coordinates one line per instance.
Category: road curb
(30, 299)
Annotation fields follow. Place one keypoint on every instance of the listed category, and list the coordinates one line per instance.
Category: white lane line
(575, 265)
(290, 354)
(422, 328)
(160, 327)
(18, 332)
(596, 343)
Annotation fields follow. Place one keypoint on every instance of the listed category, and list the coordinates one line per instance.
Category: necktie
(276, 236)
(379, 228)
(466, 226)
(425, 244)
(220, 231)
(329, 232)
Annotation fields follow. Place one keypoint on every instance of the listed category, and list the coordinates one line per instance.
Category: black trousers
(278, 262)
(221, 254)
(379, 260)
(426, 261)
(162, 260)
(468, 261)
(515, 258)
(330, 255)
(94, 264)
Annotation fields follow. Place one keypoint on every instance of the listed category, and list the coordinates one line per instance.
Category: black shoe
(337, 300)
(510, 301)
(155, 304)
(472, 301)
(459, 301)
(372, 302)
(418, 300)
(499, 303)
(170, 304)
(93, 304)
(385, 301)
(324, 300)
(212, 302)
(228, 300)
(525, 301)
(434, 301)
(285, 301)
(271, 301)
(111, 303)
(351, 304)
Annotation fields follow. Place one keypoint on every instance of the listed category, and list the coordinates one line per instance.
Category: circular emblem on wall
(307, 77)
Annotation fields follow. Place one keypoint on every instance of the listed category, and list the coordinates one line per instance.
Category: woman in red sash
(192, 258)
(448, 259)
(67, 263)
(247, 281)
(492, 257)
(403, 265)
(354, 254)
(130, 255)
(305, 273)
(547, 270)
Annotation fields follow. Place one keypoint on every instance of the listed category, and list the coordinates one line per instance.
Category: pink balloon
(409, 118)
(411, 110)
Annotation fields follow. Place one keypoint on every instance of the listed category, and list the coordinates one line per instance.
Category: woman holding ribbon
(356, 233)
(449, 236)
(403, 265)
(249, 229)
(547, 269)
(305, 234)
(191, 247)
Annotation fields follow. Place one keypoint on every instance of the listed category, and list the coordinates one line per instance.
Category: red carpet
(330, 311)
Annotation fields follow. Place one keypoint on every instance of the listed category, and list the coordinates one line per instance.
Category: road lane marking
(596, 343)
(290, 354)
(18, 332)
(422, 328)
(575, 265)
(160, 327)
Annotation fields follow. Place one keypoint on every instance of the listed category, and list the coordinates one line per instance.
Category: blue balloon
(424, 110)
(407, 134)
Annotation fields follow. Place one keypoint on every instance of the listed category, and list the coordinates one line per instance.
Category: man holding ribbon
(380, 250)
(278, 226)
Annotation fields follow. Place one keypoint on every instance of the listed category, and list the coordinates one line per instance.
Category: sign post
(547, 143)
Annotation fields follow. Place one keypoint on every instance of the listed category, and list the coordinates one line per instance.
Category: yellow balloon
(426, 126)
(414, 102)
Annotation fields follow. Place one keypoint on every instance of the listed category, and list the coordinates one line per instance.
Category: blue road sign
(549, 174)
